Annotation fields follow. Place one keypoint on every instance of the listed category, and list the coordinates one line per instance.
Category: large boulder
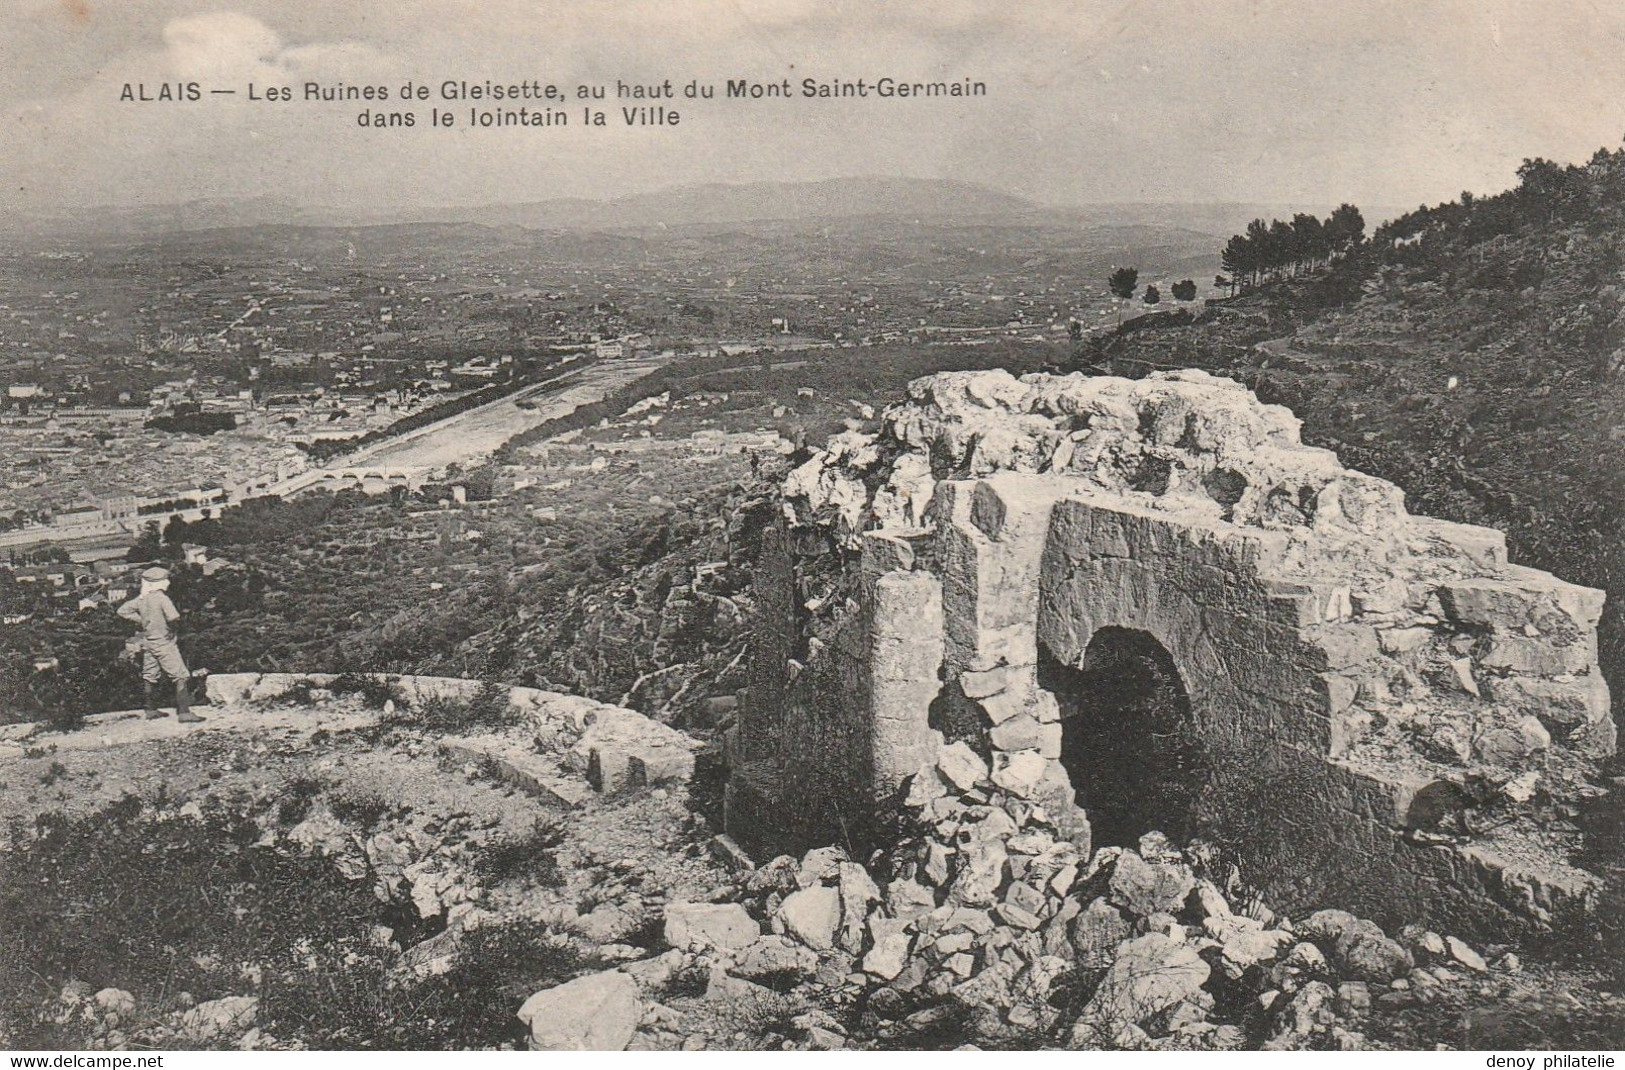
(1143, 888)
(1357, 947)
(598, 1012)
(220, 1018)
(1097, 931)
(774, 956)
(1244, 949)
(1152, 973)
(961, 766)
(710, 925)
(114, 1001)
(812, 916)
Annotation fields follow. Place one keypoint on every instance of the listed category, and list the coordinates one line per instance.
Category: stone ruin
(1135, 605)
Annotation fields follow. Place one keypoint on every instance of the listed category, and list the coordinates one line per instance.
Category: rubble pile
(985, 925)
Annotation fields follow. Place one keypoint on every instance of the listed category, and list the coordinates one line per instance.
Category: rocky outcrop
(230, 1016)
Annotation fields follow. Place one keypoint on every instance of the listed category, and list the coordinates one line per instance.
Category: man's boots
(153, 712)
(183, 704)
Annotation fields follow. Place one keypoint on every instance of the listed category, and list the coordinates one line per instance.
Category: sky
(1088, 101)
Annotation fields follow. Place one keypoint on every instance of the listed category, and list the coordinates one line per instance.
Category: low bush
(297, 795)
(373, 691)
(486, 709)
(362, 809)
(529, 855)
(299, 693)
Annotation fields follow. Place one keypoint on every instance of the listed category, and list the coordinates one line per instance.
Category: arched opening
(1127, 739)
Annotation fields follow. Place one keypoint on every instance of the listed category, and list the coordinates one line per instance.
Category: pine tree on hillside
(1122, 283)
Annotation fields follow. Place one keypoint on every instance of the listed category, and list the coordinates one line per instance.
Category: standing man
(160, 654)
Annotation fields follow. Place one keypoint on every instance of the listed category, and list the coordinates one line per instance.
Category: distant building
(118, 506)
(609, 349)
(77, 514)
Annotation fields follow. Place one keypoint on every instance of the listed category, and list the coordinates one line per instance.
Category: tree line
(1279, 248)
(1124, 281)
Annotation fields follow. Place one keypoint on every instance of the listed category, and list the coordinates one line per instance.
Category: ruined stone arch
(1129, 744)
(1346, 663)
(1246, 658)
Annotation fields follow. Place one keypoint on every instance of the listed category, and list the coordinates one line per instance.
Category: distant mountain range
(693, 206)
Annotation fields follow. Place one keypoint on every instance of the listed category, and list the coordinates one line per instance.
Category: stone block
(623, 749)
(812, 915)
(1530, 599)
(1291, 604)
(710, 925)
(532, 773)
(653, 767)
(1019, 773)
(961, 766)
(1340, 691)
(1539, 657)
(598, 1012)
(981, 685)
(1003, 707)
(1403, 640)
(1582, 605)
(1482, 547)
(886, 551)
(906, 658)
(1345, 645)
(1563, 703)
(1025, 733)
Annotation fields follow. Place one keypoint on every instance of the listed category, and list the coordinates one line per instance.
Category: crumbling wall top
(1185, 445)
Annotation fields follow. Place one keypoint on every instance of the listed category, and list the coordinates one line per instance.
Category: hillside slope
(1470, 353)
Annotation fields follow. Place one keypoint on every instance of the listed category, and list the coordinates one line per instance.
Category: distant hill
(713, 203)
(716, 202)
(1019, 249)
(701, 206)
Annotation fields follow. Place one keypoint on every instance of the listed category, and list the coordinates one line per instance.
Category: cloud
(218, 45)
(92, 146)
(1271, 100)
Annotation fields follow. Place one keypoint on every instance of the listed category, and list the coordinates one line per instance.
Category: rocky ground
(983, 926)
(447, 832)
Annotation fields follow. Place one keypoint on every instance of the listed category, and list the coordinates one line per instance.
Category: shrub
(372, 691)
(364, 809)
(156, 907)
(529, 855)
(299, 694)
(471, 1005)
(159, 905)
(297, 795)
(487, 709)
(65, 718)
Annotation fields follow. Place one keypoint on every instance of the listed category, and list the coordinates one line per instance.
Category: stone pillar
(991, 545)
(905, 668)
